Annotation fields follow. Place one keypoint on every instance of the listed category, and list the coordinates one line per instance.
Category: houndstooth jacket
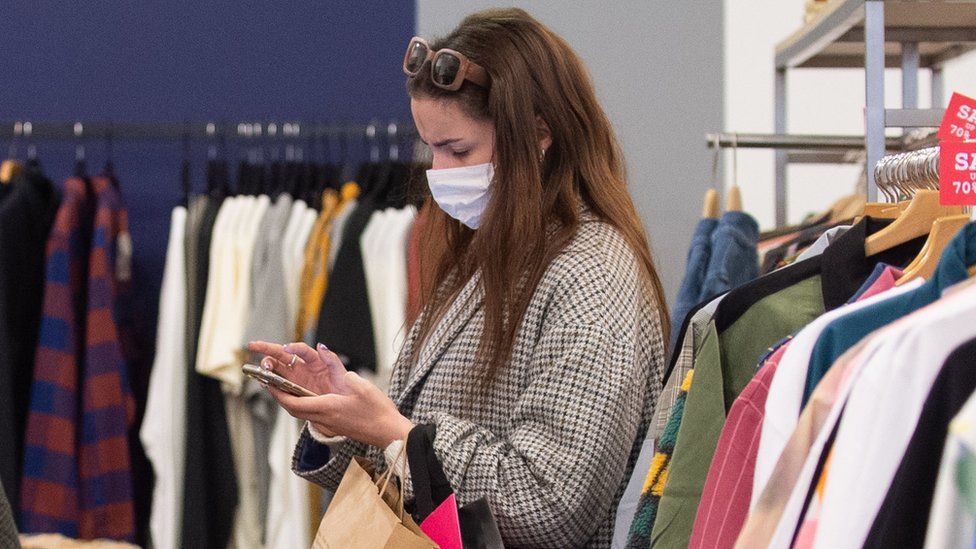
(553, 442)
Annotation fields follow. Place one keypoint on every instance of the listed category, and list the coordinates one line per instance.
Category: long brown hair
(534, 74)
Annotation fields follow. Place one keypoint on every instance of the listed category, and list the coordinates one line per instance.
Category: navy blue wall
(192, 60)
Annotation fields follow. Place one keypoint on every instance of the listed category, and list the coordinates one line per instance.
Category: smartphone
(274, 380)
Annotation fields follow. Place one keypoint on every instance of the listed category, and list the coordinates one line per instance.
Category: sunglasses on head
(448, 68)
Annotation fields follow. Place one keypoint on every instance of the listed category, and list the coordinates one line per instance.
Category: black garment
(345, 324)
(842, 267)
(27, 213)
(903, 517)
(210, 484)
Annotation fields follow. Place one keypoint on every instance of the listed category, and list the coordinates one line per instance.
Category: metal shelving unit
(874, 34)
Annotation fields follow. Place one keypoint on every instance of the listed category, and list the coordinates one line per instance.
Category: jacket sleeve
(552, 478)
(324, 464)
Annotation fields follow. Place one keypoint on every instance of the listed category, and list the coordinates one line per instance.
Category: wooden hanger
(845, 208)
(733, 202)
(711, 207)
(943, 231)
(914, 222)
(881, 210)
(10, 169)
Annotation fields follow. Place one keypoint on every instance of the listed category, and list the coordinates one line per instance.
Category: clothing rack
(28, 130)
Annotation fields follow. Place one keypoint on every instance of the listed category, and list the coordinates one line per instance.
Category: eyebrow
(444, 142)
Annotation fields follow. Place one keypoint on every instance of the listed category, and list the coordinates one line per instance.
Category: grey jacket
(553, 442)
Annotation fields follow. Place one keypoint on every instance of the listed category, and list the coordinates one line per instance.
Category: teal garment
(843, 333)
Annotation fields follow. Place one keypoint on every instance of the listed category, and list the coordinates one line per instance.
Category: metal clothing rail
(794, 142)
(78, 130)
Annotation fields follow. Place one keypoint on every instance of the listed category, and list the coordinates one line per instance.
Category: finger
(290, 403)
(272, 364)
(302, 351)
(274, 350)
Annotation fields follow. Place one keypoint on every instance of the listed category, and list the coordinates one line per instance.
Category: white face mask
(462, 192)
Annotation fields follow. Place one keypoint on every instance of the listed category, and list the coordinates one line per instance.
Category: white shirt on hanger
(881, 415)
(221, 260)
(163, 432)
(223, 362)
(288, 502)
(878, 348)
(292, 290)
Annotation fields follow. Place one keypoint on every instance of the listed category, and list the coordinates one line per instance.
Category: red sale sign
(957, 173)
(959, 122)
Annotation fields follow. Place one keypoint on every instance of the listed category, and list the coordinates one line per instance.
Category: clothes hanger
(944, 230)
(711, 208)
(917, 220)
(11, 168)
(733, 202)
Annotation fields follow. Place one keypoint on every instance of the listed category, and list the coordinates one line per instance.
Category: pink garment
(728, 488)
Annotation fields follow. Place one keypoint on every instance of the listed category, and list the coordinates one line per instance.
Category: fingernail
(266, 364)
(284, 347)
(322, 347)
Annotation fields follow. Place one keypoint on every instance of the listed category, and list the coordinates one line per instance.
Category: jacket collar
(468, 301)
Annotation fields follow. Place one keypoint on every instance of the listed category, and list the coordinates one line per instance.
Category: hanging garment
(209, 486)
(339, 228)
(822, 243)
(899, 519)
(345, 324)
(781, 506)
(384, 248)
(292, 283)
(749, 320)
(268, 320)
(808, 438)
(725, 497)
(79, 487)
(733, 259)
(163, 433)
(225, 317)
(27, 212)
(657, 475)
(588, 465)
(288, 516)
(952, 520)
(843, 333)
(784, 402)
(696, 267)
(880, 415)
(681, 364)
(315, 273)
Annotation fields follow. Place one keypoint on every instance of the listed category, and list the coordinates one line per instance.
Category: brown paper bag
(359, 518)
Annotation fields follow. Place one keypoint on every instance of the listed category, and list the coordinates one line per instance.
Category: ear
(542, 130)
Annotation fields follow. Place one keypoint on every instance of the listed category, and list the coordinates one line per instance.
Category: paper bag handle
(389, 474)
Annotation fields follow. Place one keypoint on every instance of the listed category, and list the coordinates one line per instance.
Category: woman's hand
(349, 406)
(319, 371)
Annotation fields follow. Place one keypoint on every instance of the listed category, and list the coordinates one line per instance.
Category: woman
(539, 351)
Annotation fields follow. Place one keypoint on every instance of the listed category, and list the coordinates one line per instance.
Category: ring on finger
(294, 358)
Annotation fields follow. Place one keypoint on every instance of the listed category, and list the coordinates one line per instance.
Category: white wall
(820, 101)
(657, 66)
